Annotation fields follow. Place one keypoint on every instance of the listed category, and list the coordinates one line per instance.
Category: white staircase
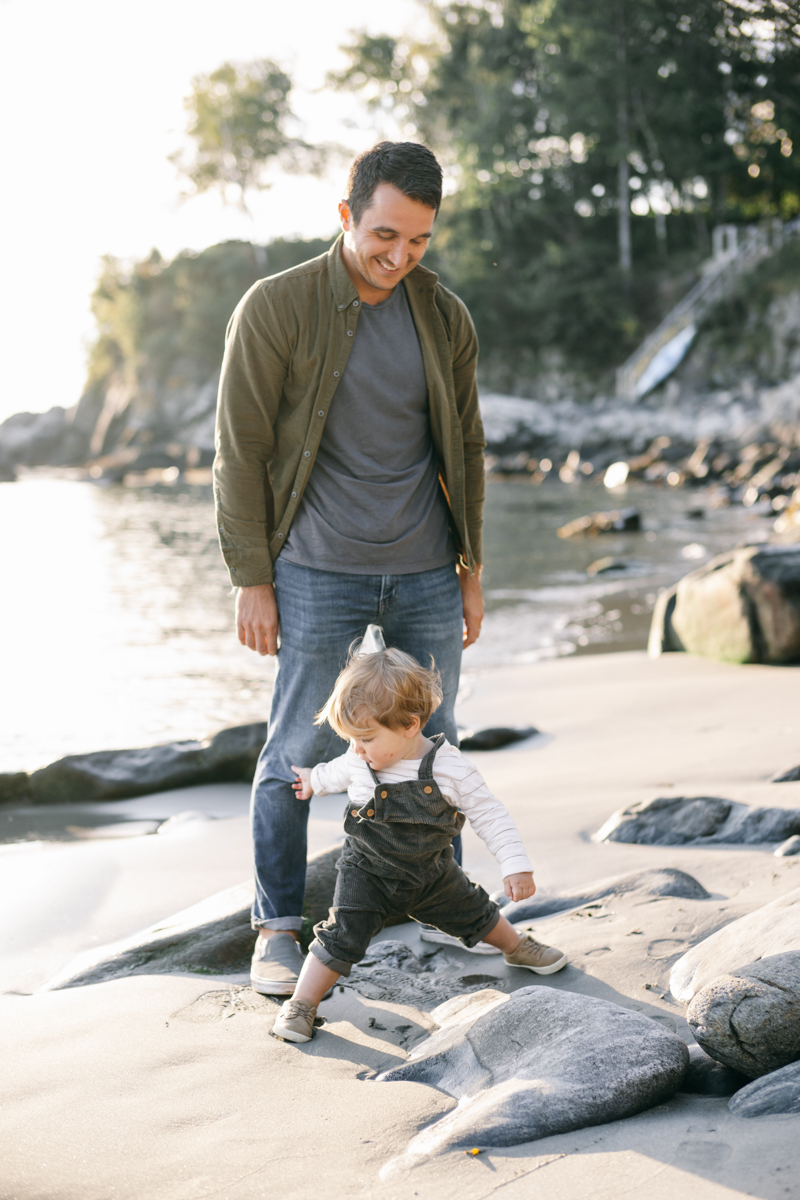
(736, 250)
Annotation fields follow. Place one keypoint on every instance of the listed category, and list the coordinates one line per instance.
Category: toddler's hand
(303, 789)
(518, 887)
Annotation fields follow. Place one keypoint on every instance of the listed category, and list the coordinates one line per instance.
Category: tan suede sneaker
(295, 1021)
(532, 955)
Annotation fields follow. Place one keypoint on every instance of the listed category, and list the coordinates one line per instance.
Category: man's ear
(345, 216)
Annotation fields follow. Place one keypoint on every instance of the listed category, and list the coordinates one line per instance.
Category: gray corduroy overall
(398, 860)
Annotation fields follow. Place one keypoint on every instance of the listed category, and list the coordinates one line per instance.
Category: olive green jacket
(286, 348)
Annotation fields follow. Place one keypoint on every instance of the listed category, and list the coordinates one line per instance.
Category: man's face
(388, 241)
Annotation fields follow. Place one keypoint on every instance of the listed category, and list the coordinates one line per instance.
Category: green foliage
(160, 322)
(589, 149)
(239, 122)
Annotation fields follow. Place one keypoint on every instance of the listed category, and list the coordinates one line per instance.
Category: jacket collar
(343, 288)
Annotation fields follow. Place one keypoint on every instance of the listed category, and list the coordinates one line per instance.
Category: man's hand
(257, 618)
(471, 603)
(302, 788)
(518, 887)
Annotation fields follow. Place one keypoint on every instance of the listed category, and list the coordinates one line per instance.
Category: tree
(589, 148)
(240, 119)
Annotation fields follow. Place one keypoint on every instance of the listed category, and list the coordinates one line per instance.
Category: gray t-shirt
(373, 504)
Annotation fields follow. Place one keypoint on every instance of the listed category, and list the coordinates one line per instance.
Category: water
(118, 623)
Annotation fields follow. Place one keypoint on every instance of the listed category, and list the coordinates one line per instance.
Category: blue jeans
(321, 613)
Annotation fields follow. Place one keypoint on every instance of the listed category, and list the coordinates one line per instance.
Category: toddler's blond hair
(389, 687)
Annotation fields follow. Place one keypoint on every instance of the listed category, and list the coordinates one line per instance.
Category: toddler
(408, 796)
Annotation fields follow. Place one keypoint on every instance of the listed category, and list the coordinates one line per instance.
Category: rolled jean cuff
(478, 937)
(295, 924)
(333, 964)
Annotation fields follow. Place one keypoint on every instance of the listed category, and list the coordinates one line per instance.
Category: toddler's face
(381, 747)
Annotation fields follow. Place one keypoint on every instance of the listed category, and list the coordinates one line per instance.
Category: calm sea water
(116, 616)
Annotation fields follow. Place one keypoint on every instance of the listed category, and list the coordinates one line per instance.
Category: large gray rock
(229, 756)
(772, 929)
(542, 1062)
(391, 971)
(676, 820)
(707, 1077)
(750, 1019)
(213, 937)
(662, 882)
(742, 606)
(778, 1092)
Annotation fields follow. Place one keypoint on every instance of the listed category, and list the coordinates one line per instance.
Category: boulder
(790, 776)
(30, 439)
(14, 787)
(772, 1094)
(707, 1077)
(772, 929)
(496, 738)
(391, 971)
(625, 520)
(750, 1019)
(601, 566)
(662, 638)
(542, 1062)
(742, 606)
(662, 882)
(213, 937)
(229, 756)
(677, 820)
(788, 848)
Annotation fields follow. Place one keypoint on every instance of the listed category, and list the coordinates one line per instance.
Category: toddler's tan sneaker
(295, 1021)
(532, 955)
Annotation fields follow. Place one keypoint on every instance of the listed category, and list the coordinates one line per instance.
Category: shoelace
(296, 1008)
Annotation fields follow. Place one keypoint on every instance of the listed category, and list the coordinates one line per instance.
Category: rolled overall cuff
(488, 927)
(333, 964)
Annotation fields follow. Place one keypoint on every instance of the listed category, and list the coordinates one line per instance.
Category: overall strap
(426, 766)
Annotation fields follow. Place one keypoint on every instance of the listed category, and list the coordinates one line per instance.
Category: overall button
(427, 791)
(384, 795)
(370, 812)
(353, 812)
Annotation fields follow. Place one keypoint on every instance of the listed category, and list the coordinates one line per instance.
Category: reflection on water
(117, 618)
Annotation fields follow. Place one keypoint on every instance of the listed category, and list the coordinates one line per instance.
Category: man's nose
(398, 254)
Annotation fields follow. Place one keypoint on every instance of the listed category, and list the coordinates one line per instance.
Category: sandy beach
(171, 1088)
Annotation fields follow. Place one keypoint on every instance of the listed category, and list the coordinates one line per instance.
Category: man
(349, 491)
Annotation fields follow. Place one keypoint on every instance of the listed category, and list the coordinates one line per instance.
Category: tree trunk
(624, 220)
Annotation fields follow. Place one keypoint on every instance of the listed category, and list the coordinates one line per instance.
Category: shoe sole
(551, 970)
(444, 939)
(273, 988)
(289, 1035)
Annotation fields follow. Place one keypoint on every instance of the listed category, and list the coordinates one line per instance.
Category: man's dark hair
(408, 166)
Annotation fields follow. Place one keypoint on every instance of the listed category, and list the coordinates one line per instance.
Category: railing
(733, 256)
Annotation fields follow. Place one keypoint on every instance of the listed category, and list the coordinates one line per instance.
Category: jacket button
(353, 812)
(321, 412)
(294, 495)
(306, 454)
(335, 374)
(341, 306)
(349, 333)
(355, 304)
(428, 791)
(370, 812)
(384, 795)
(280, 535)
